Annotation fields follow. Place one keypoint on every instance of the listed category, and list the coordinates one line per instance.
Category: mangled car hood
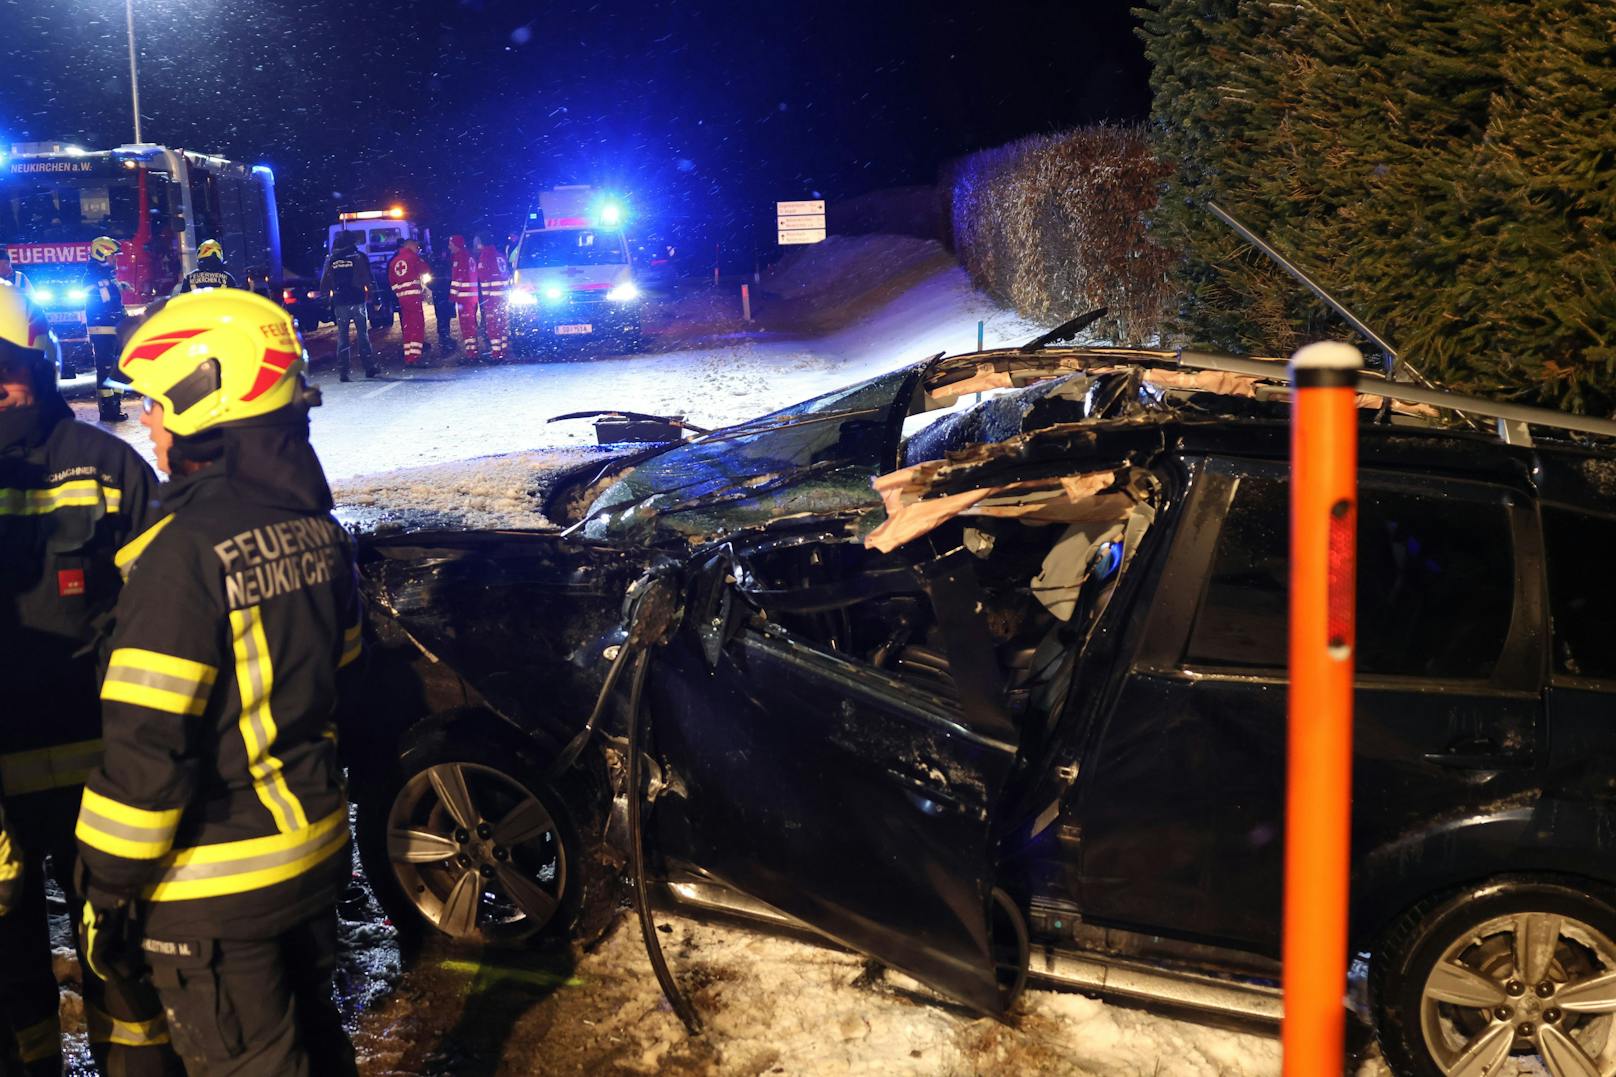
(816, 457)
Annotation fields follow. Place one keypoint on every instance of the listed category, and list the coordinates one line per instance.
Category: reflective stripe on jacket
(404, 274)
(219, 799)
(70, 496)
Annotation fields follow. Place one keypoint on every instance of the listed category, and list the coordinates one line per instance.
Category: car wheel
(1515, 967)
(634, 341)
(468, 843)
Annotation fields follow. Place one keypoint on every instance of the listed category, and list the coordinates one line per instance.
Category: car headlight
(626, 292)
(520, 298)
(44, 295)
(554, 293)
(77, 295)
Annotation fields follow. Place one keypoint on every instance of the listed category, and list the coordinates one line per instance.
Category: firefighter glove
(106, 940)
(10, 870)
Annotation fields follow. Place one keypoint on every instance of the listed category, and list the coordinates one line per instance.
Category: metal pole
(134, 80)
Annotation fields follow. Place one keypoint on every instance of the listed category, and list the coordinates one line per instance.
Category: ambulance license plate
(574, 330)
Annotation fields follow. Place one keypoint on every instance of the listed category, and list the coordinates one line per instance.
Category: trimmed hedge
(1446, 167)
(1055, 225)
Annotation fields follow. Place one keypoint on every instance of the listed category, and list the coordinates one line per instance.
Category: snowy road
(468, 445)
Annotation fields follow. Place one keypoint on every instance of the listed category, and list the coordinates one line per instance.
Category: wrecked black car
(978, 667)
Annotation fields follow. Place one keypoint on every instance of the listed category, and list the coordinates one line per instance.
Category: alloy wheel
(1530, 983)
(476, 852)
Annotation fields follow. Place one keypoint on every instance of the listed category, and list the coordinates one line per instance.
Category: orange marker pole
(1318, 805)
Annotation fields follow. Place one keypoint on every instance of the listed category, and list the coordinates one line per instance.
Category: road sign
(814, 208)
(802, 235)
(800, 222)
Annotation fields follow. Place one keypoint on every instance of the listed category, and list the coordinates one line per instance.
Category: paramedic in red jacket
(493, 278)
(404, 275)
(463, 290)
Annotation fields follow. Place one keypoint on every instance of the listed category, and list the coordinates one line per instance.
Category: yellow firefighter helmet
(105, 249)
(210, 249)
(25, 334)
(215, 357)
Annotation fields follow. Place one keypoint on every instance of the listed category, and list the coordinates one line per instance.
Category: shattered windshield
(817, 456)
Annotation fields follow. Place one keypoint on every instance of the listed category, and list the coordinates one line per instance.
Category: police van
(572, 277)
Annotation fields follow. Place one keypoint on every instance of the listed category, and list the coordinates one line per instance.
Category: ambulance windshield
(571, 247)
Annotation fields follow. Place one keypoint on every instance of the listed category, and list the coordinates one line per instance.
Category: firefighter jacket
(462, 271)
(209, 273)
(493, 274)
(347, 278)
(218, 807)
(70, 496)
(103, 303)
(404, 274)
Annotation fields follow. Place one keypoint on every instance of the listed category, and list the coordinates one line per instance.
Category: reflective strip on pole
(1318, 816)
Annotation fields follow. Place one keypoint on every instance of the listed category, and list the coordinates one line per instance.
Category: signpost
(800, 222)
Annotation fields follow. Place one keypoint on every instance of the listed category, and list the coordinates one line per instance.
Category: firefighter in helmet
(209, 272)
(103, 314)
(215, 830)
(71, 494)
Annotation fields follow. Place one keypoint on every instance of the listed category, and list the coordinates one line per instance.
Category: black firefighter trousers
(126, 1028)
(254, 1007)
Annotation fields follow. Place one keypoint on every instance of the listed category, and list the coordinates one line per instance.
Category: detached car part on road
(1005, 693)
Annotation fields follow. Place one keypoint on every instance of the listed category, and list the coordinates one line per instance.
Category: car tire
(307, 325)
(474, 901)
(1447, 982)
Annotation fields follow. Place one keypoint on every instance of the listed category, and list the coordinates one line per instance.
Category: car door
(1183, 807)
(852, 798)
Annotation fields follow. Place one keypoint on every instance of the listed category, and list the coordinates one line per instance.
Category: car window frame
(1522, 664)
(1557, 678)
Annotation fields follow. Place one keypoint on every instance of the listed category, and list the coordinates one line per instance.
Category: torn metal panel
(1096, 497)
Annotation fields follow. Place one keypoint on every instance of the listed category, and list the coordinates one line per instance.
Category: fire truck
(159, 203)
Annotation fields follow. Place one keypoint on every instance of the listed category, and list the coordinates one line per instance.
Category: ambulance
(572, 278)
(159, 203)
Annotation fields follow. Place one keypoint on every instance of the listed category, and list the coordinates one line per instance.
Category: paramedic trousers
(494, 324)
(412, 318)
(355, 314)
(128, 1036)
(251, 1007)
(467, 308)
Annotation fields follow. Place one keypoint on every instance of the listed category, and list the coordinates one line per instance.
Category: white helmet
(25, 334)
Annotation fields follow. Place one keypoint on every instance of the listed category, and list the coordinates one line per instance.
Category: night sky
(702, 112)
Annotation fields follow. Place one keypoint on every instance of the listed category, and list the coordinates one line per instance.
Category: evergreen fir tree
(1447, 168)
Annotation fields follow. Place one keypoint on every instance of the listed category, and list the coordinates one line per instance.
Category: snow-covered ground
(828, 316)
(449, 445)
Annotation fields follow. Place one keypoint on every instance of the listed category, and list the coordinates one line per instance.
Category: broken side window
(1435, 584)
